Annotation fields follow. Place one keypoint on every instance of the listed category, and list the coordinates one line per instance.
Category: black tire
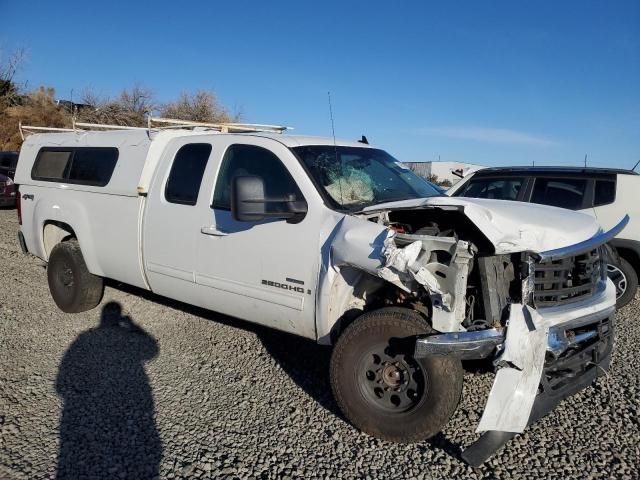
(431, 387)
(72, 287)
(625, 278)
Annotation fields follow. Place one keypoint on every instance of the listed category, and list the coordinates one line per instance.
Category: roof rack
(169, 123)
(222, 127)
(31, 129)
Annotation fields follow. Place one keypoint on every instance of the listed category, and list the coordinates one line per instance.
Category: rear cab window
(187, 170)
(91, 166)
(505, 188)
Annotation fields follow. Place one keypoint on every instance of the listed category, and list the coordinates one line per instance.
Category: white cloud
(489, 135)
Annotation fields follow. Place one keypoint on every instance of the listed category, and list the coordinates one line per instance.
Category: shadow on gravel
(107, 429)
(306, 362)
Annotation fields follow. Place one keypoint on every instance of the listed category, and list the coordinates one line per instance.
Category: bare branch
(201, 106)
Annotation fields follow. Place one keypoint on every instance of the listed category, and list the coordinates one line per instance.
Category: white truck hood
(515, 226)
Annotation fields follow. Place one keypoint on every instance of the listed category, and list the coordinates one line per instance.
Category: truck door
(170, 226)
(264, 272)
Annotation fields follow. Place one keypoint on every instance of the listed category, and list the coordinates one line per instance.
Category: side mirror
(249, 203)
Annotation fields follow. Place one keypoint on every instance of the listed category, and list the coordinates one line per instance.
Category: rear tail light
(19, 206)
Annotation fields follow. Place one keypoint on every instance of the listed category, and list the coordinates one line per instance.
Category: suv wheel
(382, 389)
(625, 279)
(72, 286)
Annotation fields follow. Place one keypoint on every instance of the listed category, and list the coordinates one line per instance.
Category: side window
(81, 165)
(51, 164)
(186, 173)
(92, 166)
(559, 192)
(497, 188)
(252, 160)
(604, 193)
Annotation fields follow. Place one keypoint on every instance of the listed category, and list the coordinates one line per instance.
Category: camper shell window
(77, 165)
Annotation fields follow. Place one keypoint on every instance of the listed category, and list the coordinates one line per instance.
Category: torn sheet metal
(359, 243)
(516, 384)
(411, 266)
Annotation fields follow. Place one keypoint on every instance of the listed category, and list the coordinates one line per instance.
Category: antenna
(333, 129)
(335, 148)
(634, 167)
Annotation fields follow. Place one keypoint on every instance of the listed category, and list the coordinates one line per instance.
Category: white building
(451, 171)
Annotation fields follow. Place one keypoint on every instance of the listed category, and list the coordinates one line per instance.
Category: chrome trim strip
(558, 342)
(467, 345)
(586, 245)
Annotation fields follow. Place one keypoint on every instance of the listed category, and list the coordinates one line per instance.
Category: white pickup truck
(339, 243)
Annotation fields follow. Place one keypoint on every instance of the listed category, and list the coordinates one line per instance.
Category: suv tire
(625, 278)
(382, 389)
(72, 286)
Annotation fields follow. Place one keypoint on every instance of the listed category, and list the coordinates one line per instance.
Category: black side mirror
(249, 203)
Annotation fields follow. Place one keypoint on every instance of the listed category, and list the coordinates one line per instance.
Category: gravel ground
(143, 387)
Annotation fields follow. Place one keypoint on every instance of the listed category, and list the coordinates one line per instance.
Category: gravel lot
(144, 387)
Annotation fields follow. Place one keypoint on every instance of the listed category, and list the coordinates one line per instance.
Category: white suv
(603, 193)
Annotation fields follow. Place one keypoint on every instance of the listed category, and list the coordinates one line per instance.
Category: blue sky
(493, 82)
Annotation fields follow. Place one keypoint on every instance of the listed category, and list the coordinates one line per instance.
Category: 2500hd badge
(284, 286)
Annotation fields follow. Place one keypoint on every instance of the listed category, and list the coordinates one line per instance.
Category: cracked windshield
(357, 177)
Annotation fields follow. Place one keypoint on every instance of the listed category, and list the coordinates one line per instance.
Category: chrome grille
(567, 279)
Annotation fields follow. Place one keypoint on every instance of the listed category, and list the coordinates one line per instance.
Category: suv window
(8, 161)
(252, 160)
(497, 188)
(186, 173)
(82, 165)
(604, 193)
(560, 192)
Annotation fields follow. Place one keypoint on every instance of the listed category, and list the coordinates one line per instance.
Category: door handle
(212, 230)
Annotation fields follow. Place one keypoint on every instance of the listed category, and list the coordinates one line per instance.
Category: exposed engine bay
(439, 256)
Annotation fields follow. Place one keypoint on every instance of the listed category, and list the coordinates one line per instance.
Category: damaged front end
(543, 316)
(547, 341)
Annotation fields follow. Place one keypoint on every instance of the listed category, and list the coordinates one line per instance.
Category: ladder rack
(165, 123)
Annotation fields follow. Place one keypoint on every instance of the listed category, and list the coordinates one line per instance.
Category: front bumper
(562, 377)
(573, 346)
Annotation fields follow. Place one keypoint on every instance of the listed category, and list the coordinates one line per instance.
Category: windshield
(357, 177)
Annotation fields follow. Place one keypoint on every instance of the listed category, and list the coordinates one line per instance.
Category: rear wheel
(379, 385)
(625, 279)
(72, 286)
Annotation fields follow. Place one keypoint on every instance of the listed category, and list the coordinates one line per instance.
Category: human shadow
(107, 428)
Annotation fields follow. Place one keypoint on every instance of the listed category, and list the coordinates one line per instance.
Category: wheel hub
(392, 381)
(66, 276)
(393, 375)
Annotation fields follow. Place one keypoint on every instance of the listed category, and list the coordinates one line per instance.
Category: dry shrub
(201, 106)
(129, 108)
(39, 108)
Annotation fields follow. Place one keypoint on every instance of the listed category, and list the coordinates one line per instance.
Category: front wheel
(379, 385)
